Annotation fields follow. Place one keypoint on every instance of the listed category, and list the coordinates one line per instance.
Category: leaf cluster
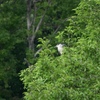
(74, 75)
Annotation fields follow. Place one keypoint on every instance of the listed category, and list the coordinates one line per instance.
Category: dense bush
(74, 75)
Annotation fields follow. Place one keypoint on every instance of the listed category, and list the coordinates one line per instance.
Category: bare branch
(37, 52)
(35, 1)
(34, 18)
(28, 14)
(40, 22)
(60, 26)
(27, 62)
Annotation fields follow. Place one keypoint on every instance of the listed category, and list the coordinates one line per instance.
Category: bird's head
(60, 48)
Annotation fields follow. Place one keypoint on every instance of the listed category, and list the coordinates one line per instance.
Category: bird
(60, 48)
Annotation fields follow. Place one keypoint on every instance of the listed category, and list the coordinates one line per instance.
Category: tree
(46, 18)
(74, 75)
(12, 37)
(18, 37)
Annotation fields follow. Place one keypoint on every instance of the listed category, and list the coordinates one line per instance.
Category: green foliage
(74, 75)
(12, 37)
(57, 13)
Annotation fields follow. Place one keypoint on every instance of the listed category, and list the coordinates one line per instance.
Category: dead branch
(60, 25)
